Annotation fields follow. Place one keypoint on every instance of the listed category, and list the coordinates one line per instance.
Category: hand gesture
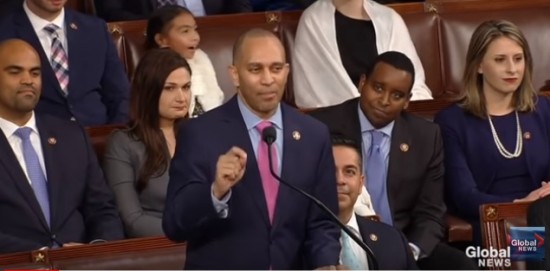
(229, 171)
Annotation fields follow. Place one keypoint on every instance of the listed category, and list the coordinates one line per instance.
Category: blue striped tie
(34, 170)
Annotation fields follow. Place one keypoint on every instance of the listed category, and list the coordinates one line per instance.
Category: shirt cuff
(96, 241)
(220, 204)
(417, 253)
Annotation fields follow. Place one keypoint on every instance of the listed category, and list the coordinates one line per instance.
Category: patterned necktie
(269, 183)
(162, 3)
(58, 58)
(198, 110)
(376, 178)
(348, 258)
(34, 170)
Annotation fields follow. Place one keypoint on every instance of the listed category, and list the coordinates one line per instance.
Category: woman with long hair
(497, 138)
(137, 159)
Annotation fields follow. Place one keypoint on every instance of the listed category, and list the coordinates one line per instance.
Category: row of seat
(161, 254)
(440, 31)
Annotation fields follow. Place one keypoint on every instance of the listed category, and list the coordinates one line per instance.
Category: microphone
(269, 135)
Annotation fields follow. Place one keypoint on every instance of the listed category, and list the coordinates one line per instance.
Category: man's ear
(234, 74)
(408, 100)
(362, 82)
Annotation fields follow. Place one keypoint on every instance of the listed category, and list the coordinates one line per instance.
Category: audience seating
(440, 31)
(153, 253)
(99, 135)
(496, 220)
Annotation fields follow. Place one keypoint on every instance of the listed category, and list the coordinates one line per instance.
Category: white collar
(38, 23)
(353, 225)
(9, 127)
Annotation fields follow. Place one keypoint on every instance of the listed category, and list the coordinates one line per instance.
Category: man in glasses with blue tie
(53, 189)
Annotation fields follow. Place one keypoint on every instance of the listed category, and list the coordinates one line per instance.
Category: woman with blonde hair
(497, 138)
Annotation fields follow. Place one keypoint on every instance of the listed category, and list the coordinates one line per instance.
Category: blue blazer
(98, 86)
(301, 236)
(471, 155)
(82, 207)
(389, 245)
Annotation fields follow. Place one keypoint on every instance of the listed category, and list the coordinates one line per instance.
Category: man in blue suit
(388, 244)
(53, 191)
(221, 198)
(85, 80)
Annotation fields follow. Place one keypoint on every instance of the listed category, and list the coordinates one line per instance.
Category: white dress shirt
(38, 25)
(9, 128)
(357, 250)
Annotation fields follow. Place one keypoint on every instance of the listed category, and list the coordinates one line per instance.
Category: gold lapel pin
(73, 26)
(404, 147)
(527, 135)
(52, 141)
(373, 237)
(296, 135)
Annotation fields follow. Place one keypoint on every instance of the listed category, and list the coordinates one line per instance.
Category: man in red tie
(221, 197)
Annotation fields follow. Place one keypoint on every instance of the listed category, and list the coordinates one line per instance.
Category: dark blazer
(302, 236)
(124, 10)
(269, 5)
(471, 157)
(389, 245)
(81, 205)
(98, 86)
(415, 176)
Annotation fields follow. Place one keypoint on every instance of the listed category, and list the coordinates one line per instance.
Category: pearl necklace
(500, 147)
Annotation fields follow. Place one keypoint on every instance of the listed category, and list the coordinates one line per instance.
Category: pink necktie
(270, 184)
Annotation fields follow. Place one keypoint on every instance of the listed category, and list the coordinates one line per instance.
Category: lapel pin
(527, 135)
(373, 237)
(52, 141)
(73, 26)
(404, 147)
(296, 135)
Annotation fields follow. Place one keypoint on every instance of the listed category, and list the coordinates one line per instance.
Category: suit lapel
(291, 149)
(15, 173)
(239, 134)
(398, 158)
(48, 139)
(344, 119)
(75, 50)
(367, 236)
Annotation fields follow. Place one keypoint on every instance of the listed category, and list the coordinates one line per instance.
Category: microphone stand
(371, 259)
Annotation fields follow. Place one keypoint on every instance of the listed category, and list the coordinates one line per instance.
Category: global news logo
(524, 244)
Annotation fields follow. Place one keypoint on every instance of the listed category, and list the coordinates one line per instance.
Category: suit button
(53, 236)
(73, 119)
